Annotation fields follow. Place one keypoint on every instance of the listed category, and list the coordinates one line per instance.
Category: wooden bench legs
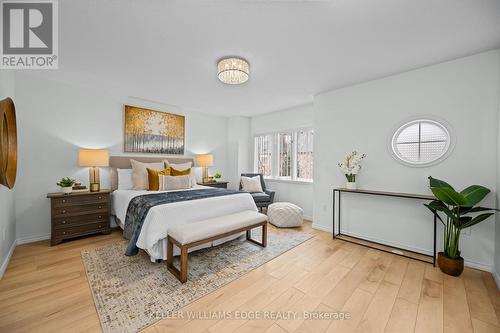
(263, 242)
(182, 273)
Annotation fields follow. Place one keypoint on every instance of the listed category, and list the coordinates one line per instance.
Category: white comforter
(161, 217)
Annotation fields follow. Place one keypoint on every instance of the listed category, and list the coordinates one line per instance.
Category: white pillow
(168, 183)
(140, 173)
(251, 184)
(179, 166)
(182, 167)
(125, 181)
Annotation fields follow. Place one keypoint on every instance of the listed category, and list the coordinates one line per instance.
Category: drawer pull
(64, 201)
(64, 232)
(63, 222)
(64, 212)
(100, 207)
(100, 216)
(100, 226)
(99, 197)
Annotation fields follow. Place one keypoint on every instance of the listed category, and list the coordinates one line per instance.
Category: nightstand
(79, 214)
(215, 184)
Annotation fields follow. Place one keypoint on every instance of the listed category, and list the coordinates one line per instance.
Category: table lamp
(94, 158)
(205, 161)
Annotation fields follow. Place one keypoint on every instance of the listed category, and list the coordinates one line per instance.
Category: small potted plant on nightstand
(66, 185)
(218, 177)
(457, 208)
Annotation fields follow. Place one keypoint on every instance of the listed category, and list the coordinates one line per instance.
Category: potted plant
(66, 185)
(456, 208)
(350, 166)
(218, 177)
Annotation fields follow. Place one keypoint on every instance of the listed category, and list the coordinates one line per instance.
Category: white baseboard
(468, 263)
(321, 227)
(308, 218)
(6, 261)
(496, 276)
(31, 239)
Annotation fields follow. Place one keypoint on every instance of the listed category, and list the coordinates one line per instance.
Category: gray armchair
(261, 199)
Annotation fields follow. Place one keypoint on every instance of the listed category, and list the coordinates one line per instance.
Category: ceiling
(166, 51)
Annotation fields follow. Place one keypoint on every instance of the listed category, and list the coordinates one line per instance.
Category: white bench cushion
(193, 232)
(285, 214)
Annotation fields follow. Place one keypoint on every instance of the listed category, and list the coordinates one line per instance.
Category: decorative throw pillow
(140, 173)
(178, 166)
(251, 184)
(168, 183)
(154, 178)
(125, 181)
(175, 172)
(182, 167)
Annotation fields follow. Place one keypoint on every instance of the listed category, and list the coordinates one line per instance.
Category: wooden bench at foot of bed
(190, 235)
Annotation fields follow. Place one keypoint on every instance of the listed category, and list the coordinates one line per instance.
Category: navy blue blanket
(139, 207)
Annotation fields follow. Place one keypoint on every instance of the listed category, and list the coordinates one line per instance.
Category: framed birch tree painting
(154, 132)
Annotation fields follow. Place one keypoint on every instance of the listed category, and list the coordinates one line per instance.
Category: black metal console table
(381, 246)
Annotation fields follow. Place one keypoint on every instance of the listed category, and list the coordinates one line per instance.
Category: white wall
(300, 194)
(496, 272)
(464, 92)
(238, 150)
(7, 207)
(56, 119)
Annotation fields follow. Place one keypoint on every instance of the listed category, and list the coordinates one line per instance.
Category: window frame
(396, 130)
(275, 153)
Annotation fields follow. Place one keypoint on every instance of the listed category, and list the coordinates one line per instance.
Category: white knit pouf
(285, 214)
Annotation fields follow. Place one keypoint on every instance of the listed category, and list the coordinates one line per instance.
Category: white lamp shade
(205, 160)
(93, 157)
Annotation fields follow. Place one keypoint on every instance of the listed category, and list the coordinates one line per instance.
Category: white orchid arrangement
(351, 165)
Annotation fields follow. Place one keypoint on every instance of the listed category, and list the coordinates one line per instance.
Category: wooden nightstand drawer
(62, 222)
(80, 210)
(80, 200)
(78, 214)
(79, 230)
(215, 184)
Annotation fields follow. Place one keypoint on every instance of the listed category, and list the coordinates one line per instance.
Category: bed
(159, 219)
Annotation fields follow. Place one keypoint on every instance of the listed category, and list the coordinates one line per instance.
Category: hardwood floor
(45, 290)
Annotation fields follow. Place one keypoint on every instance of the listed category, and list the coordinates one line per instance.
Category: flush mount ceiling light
(233, 70)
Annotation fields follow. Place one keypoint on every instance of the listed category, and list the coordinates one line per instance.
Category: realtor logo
(29, 34)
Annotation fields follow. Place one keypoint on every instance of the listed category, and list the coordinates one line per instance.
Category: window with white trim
(421, 142)
(263, 154)
(286, 155)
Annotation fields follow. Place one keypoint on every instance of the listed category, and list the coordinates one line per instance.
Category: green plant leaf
(449, 196)
(440, 206)
(434, 211)
(467, 210)
(474, 194)
(476, 220)
(434, 182)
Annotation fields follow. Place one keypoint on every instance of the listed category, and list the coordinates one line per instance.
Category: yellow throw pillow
(154, 178)
(174, 172)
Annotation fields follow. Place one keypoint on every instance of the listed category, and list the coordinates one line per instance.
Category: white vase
(351, 185)
(67, 190)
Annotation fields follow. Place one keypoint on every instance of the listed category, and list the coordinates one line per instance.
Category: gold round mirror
(8, 143)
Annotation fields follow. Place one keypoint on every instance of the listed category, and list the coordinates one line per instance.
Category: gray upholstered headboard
(123, 162)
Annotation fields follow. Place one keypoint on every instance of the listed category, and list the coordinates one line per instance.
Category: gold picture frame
(153, 132)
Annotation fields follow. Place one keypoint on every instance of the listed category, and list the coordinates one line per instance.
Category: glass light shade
(205, 160)
(233, 70)
(94, 157)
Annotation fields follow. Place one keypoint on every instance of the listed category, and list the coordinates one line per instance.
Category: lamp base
(95, 187)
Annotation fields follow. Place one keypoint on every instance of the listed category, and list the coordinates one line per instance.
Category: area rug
(131, 293)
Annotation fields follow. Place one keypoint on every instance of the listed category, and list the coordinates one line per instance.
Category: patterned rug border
(83, 252)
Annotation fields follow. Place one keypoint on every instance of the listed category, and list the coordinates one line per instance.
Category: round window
(421, 142)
